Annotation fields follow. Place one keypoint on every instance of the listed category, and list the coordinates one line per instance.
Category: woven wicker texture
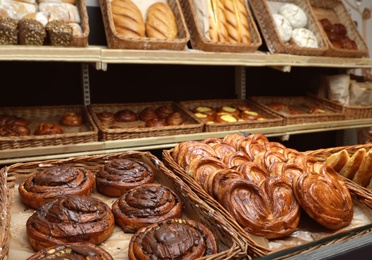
(263, 15)
(5, 203)
(271, 119)
(231, 244)
(82, 40)
(116, 41)
(301, 103)
(87, 132)
(199, 41)
(133, 131)
(336, 12)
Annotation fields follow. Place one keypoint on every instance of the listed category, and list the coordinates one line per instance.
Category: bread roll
(353, 164)
(236, 21)
(66, 12)
(161, 22)
(217, 21)
(128, 19)
(364, 173)
(338, 160)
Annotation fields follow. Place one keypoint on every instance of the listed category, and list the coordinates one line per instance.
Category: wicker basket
(82, 40)
(199, 41)
(271, 119)
(262, 10)
(5, 204)
(87, 132)
(336, 12)
(302, 103)
(231, 244)
(350, 111)
(116, 41)
(132, 130)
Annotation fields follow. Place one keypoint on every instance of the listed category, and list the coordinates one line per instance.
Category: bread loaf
(127, 19)
(217, 21)
(161, 22)
(364, 173)
(353, 164)
(236, 21)
(338, 160)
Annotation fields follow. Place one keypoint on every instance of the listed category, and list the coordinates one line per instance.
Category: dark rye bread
(8, 31)
(31, 32)
(59, 33)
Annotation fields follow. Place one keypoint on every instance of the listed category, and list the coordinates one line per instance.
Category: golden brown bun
(353, 164)
(338, 160)
(46, 128)
(128, 19)
(71, 118)
(106, 118)
(161, 22)
(364, 173)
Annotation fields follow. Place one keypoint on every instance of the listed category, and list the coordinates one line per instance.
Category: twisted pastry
(69, 219)
(234, 139)
(219, 179)
(185, 152)
(324, 196)
(222, 149)
(54, 182)
(79, 250)
(260, 138)
(286, 170)
(253, 172)
(233, 160)
(268, 158)
(145, 205)
(268, 210)
(172, 239)
(251, 147)
(119, 175)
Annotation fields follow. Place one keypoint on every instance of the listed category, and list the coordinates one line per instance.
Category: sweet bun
(283, 27)
(71, 118)
(46, 128)
(229, 109)
(225, 118)
(294, 14)
(303, 37)
(155, 122)
(146, 114)
(175, 118)
(204, 117)
(204, 110)
(164, 111)
(106, 118)
(125, 115)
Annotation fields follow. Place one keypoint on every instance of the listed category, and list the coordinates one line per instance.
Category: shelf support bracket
(240, 82)
(85, 83)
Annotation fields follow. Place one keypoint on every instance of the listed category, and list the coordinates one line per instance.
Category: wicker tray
(292, 248)
(116, 41)
(302, 104)
(132, 130)
(231, 245)
(336, 12)
(350, 111)
(87, 132)
(200, 42)
(262, 10)
(5, 204)
(82, 41)
(271, 119)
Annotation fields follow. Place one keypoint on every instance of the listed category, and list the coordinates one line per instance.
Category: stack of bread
(39, 22)
(264, 185)
(155, 20)
(356, 167)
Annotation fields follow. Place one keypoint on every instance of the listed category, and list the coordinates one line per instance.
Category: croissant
(57, 181)
(72, 218)
(144, 205)
(173, 239)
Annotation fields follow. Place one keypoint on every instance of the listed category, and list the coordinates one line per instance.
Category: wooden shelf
(11, 156)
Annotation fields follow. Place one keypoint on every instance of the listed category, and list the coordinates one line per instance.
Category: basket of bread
(221, 26)
(285, 200)
(342, 35)
(116, 206)
(289, 26)
(144, 25)
(43, 22)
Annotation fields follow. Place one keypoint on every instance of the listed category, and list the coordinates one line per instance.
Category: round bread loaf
(283, 26)
(304, 38)
(294, 14)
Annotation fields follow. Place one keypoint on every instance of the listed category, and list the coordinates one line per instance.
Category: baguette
(353, 164)
(236, 21)
(217, 21)
(364, 173)
(338, 160)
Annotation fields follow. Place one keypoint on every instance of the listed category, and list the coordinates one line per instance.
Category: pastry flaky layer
(265, 185)
(144, 205)
(79, 250)
(172, 239)
(72, 218)
(55, 182)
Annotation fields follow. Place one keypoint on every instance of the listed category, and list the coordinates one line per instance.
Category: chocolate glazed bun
(54, 182)
(79, 250)
(69, 219)
(145, 205)
(118, 176)
(172, 239)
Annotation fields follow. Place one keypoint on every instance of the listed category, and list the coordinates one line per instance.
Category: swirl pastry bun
(125, 115)
(144, 205)
(147, 114)
(46, 128)
(72, 218)
(155, 122)
(71, 118)
(172, 239)
(55, 182)
(106, 118)
(78, 250)
(116, 177)
(176, 118)
(164, 111)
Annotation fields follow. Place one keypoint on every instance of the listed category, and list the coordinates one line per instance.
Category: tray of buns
(231, 114)
(120, 224)
(221, 26)
(37, 126)
(289, 26)
(117, 121)
(341, 32)
(139, 27)
(227, 169)
(44, 23)
(299, 109)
